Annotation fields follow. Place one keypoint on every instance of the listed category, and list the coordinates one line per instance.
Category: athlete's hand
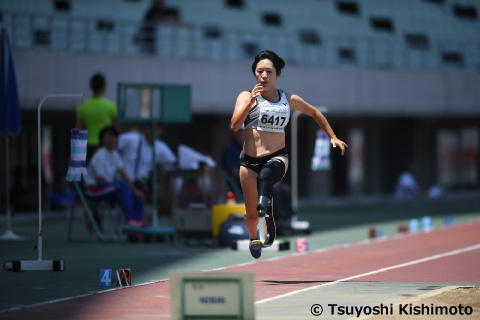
(337, 142)
(256, 91)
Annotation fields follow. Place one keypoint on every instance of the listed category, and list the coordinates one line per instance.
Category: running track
(444, 255)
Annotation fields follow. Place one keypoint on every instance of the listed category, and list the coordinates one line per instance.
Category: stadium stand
(407, 34)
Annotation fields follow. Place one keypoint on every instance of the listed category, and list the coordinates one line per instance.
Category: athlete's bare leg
(248, 180)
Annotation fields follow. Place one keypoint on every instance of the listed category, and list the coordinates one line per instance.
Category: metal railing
(107, 36)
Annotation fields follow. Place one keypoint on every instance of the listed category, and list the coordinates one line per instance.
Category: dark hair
(109, 129)
(278, 62)
(97, 83)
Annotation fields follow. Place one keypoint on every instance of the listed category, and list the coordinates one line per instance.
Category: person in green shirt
(96, 113)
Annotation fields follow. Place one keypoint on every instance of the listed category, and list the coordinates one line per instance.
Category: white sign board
(212, 295)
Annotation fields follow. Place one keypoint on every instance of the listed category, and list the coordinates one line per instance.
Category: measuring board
(212, 295)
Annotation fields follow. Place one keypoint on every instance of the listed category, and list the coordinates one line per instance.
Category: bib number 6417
(273, 120)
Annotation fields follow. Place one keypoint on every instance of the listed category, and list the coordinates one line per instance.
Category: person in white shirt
(108, 180)
(135, 149)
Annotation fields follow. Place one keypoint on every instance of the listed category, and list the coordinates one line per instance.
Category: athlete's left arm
(301, 105)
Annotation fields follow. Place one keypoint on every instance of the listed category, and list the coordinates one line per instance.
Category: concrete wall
(215, 84)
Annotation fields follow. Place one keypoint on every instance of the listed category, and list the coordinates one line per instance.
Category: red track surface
(295, 272)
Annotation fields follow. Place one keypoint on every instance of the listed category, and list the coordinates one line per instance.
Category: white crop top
(269, 116)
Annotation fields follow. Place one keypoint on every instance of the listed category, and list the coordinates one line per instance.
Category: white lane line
(406, 264)
(89, 294)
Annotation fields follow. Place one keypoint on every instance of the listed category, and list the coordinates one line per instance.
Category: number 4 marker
(105, 277)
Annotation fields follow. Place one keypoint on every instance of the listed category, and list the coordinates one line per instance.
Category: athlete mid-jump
(264, 113)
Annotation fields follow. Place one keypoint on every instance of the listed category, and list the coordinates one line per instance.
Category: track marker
(105, 278)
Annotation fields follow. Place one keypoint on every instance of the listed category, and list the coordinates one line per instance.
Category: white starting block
(212, 295)
(278, 245)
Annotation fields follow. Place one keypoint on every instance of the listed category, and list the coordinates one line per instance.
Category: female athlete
(264, 113)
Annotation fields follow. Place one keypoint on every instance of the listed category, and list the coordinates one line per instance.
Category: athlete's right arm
(245, 101)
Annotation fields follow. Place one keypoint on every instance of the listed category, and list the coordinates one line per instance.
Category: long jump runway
(381, 271)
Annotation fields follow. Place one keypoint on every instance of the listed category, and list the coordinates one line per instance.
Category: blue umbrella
(10, 103)
(9, 116)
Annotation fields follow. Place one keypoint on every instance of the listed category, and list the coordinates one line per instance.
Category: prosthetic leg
(271, 229)
(270, 222)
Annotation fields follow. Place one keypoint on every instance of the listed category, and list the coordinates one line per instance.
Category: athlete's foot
(256, 246)
(262, 206)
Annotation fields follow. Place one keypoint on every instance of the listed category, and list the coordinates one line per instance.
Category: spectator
(158, 13)
(96, 114)
(103, 185)
(407, 186)
(136, 151)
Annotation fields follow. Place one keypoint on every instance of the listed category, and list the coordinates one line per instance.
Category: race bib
(274, 118)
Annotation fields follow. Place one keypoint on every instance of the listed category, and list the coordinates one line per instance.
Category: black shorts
(256, 164)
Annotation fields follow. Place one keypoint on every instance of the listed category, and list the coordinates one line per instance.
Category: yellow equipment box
(221, 212)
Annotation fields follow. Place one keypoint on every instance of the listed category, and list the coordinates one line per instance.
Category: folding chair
(102, 216)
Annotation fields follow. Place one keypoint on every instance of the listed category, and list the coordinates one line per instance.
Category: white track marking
(406, 264)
